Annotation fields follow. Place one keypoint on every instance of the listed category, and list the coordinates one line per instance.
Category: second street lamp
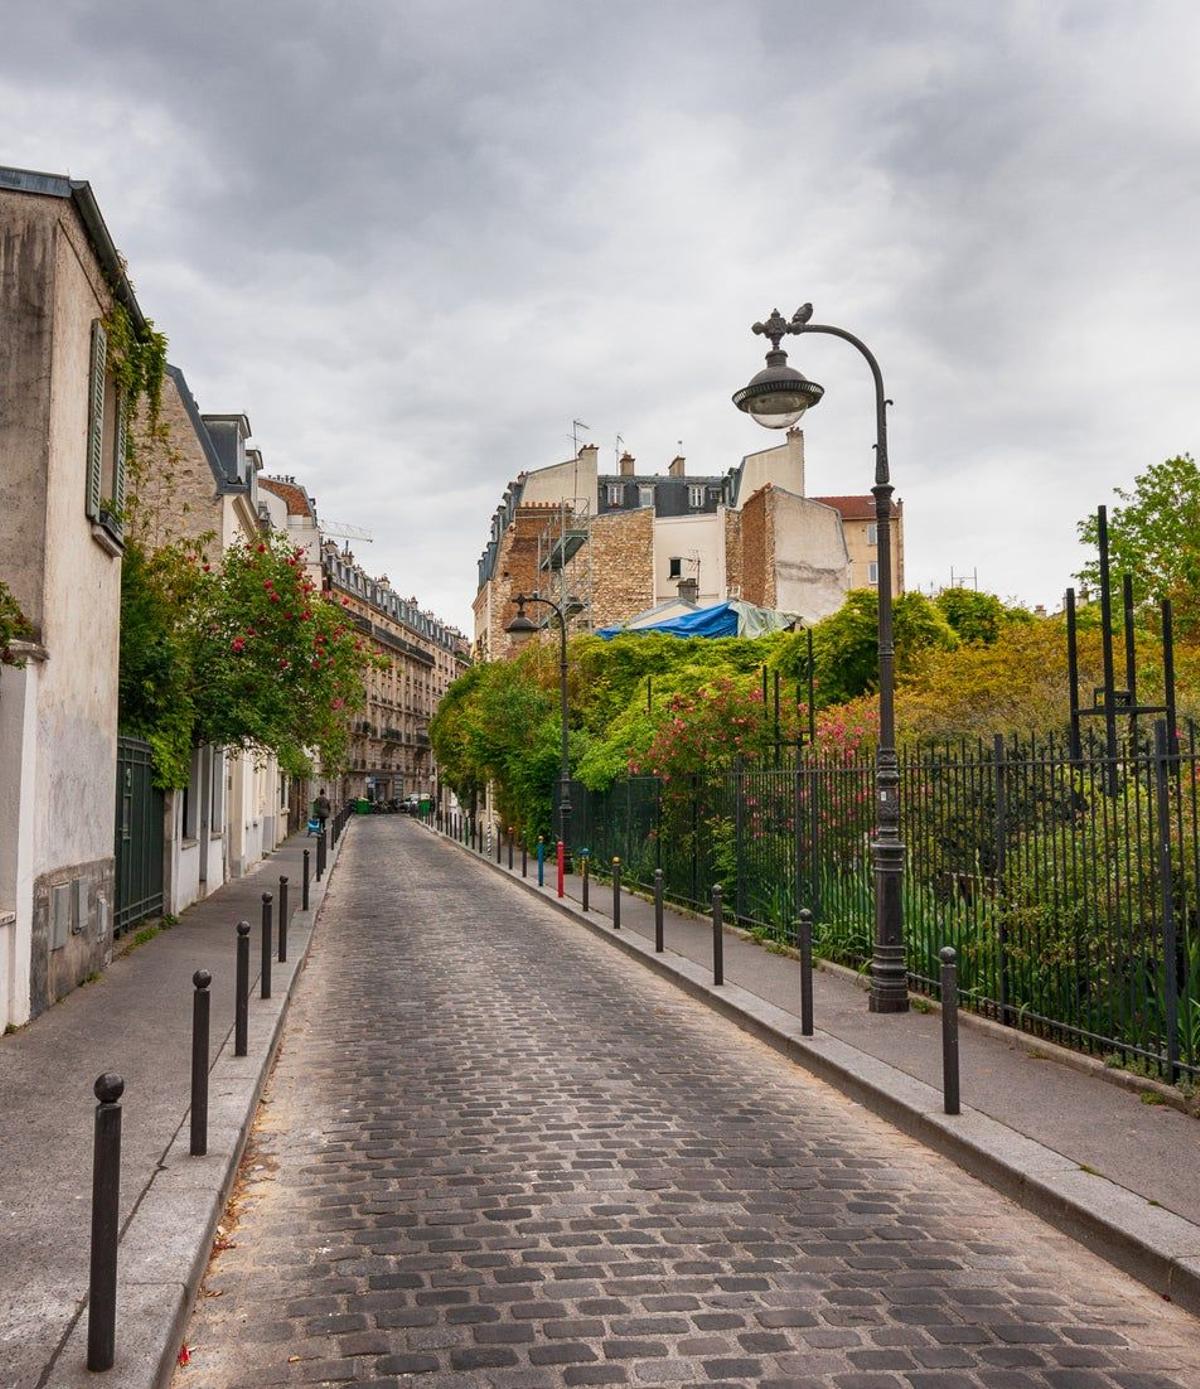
(776, 398)
(523, 628)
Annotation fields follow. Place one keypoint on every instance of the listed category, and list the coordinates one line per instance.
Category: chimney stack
(689, 589)
(626, 464)
(676, 466)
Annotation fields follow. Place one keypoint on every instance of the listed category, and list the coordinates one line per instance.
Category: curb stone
(1153, 1245)
(166, 1243)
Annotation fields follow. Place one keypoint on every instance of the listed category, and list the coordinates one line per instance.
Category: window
(873, 572)
(105, 496)
(675, 567)
(872, 534)
(645, 496)
(695, 496)
(616, 493)
(191, 797)
(216, 821)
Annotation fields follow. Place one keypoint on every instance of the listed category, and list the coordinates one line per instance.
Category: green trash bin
(362, 806)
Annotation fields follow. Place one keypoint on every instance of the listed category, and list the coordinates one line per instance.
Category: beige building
(612, 545)
(61, 495)
(859, 528)
(391, 756)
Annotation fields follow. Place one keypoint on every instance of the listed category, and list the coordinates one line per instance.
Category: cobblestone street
(496, 1152)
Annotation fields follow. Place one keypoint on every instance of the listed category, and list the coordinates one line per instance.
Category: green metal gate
(139, 846)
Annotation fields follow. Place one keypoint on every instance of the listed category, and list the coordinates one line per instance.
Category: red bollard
(562, 869)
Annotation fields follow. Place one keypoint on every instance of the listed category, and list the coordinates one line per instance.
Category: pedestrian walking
(321, 812)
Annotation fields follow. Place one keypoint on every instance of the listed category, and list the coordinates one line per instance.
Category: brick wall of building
(758, 578)
(622, 564)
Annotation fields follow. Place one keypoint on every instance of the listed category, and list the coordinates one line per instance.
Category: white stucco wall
(812, 567)
(782, 465)
(563, 481)
(699, 541)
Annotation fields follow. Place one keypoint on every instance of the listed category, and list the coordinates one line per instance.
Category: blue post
(541, 861)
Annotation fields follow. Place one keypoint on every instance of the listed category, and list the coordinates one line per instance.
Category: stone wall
(175, 493)
(622, 565)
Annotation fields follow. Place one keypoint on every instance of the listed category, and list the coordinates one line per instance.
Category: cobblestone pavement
(496, 1152)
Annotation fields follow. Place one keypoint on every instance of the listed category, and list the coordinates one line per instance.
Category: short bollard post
(511, 831)
(658, 911)
(718, 918)
(950, 1094)
(499, 844)
(562, 868)
(322, 855)
(585, 875)
(241, 993)
(524, 860)
(616, 868)
(106, 1195)
(304, 883)
(201, 1001)
(283, 918)
(541, 857)
(267, 952)
(804, 939)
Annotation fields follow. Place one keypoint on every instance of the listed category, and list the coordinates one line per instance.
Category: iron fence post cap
(243, 928)
(267, 897)
(109, 1087)
(805, 914)
(202, 979)
(282, 878)
(947, 955)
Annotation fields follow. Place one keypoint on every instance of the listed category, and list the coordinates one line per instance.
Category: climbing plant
(13, 627)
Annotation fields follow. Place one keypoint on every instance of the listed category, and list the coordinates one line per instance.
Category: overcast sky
(413, 239)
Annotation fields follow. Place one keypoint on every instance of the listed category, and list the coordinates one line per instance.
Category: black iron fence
(1069, 887)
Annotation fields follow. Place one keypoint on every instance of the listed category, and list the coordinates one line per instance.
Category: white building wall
(699, 541)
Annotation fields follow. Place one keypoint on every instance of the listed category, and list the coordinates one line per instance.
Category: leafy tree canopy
(1155, 536)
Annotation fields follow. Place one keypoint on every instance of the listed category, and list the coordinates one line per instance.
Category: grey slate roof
(224, 482)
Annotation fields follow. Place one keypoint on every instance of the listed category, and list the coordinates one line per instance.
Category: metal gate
(139, 847)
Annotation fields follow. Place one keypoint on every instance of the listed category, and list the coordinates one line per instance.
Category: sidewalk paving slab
(135, 1020)
(1119, 1175)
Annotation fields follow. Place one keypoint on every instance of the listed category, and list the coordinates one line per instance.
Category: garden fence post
(1162, 761)
(1000, 770)
(561, 856)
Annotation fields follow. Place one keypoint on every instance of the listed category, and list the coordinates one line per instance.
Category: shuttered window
(95, 447)
(118, 462)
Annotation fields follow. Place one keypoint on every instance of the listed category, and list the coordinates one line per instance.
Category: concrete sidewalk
(136, 1020)
(1067, 1105)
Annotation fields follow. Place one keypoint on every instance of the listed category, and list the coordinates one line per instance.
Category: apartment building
(609, 546)
(391, 755)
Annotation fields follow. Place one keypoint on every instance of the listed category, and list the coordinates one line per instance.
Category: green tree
(977, 618)
(1155, 536)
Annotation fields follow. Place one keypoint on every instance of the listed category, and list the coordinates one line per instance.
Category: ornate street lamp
(776, 398)
(522, 628)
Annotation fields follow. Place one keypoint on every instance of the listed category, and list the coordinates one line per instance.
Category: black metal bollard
(267, 952)
(106, 1195)
(322, 855)
(304, 883)
(241, 998)
(585, 876)
(201, 1002)
(283, 918)
(616, 867)
(658, 911)
(951, 1103)
(804, 939)
(718, 922)
(524, 859)
(499, 845)
(510, 848)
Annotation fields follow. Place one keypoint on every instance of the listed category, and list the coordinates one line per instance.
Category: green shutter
(95, 452)
(118, 496)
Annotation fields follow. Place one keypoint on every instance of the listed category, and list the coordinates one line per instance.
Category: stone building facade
(612, 545)
(391, 756)
(61, 542)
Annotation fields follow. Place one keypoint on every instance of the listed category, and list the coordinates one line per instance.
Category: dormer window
(645, 495)
(616, 493)
(696, 497)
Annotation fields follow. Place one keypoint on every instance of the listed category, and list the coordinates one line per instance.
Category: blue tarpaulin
(722, 620)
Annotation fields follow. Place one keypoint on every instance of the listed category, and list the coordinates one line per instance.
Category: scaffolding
(565, 560)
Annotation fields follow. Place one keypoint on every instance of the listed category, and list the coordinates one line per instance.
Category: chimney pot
(676, 466)
(626, 464)
(689, 589)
